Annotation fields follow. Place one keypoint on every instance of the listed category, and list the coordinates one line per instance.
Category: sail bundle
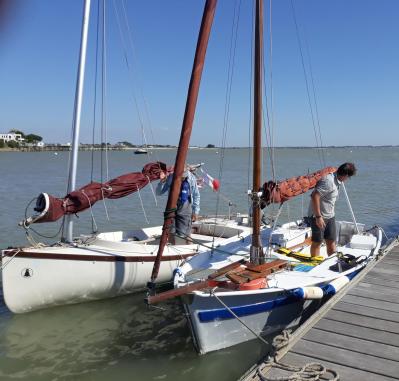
(50, 208)
(282, 191)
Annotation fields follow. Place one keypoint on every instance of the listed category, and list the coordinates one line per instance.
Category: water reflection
(115, 338)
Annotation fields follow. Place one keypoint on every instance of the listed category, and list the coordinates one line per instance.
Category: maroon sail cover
(51, 208)
(284, 190)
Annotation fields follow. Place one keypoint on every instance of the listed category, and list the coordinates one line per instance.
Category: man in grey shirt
(322, 208)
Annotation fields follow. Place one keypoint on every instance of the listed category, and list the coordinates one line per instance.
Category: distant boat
(140, 151)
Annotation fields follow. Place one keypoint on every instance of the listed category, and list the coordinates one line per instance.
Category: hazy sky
(352, 45)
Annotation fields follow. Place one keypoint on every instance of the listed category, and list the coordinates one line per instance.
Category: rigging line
(91, 212)
(129, 68)
(272, 93)
(142, 205)
(240, 320)
(250, 105)
(102, 97)
(146, 108)
(95, 95)
(306, 81)
(230, 72)
(315, 99)
(152, 190)
(270, 114)
(104, 93)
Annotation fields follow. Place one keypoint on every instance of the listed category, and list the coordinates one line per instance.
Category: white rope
(152, 190)
(105, 205)
(350, 208)
(91, 211)
(142, 205)
(308, 372)
(4, 265)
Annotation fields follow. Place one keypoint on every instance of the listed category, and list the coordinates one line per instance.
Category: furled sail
(282, 191)
(50, 208)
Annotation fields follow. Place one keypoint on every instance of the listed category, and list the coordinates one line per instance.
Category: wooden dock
(356, 333)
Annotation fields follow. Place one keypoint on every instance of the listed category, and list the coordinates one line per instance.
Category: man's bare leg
(331, 247)
(315, 249)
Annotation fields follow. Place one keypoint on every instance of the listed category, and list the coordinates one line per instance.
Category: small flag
(210, 181)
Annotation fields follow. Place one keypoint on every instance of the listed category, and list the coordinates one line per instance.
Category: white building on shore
(10, 136)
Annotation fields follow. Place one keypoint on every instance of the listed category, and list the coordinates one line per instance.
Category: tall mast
(256, 253)
(77, 113)
(196, 73)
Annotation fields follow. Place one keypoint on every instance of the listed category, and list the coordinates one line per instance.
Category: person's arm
(195, 195)
(316, 209)
(164, 184)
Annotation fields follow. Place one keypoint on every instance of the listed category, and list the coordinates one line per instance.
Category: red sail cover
(52, 208)
(284, 190)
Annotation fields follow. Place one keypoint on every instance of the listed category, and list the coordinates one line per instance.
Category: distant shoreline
(117, 148)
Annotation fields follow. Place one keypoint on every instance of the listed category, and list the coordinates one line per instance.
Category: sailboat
(97, 265)
(267, 281)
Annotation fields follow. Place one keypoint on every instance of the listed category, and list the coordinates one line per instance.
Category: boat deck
(356, 333)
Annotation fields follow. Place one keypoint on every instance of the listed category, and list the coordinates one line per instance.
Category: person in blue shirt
(188, 204)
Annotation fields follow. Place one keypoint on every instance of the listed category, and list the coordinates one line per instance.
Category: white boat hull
(212, 330)
(98, 267)
(220, 318)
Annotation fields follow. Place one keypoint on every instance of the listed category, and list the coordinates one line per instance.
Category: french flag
(210, 181)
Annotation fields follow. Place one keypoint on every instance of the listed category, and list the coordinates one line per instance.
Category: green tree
(13, 144)
(2, 143)
(210, 146)
(32, 138)
(14, 131)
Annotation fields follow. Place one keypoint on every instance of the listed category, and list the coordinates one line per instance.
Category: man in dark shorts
(188, 204)
(322, 208)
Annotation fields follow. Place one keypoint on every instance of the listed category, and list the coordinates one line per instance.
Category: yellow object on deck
(301, 256)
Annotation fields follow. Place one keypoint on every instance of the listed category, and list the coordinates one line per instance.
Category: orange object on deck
(255, 284)
(284, 190)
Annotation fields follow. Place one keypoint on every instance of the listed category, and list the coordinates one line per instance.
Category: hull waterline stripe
(252, 309)
(96, 258)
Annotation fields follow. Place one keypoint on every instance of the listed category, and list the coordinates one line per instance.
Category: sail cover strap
(50, 208)
(284, 190)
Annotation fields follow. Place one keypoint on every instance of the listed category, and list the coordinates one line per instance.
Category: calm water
(121, 338)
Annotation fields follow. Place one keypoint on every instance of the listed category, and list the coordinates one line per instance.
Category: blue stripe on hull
(245, 310)
(251, 309)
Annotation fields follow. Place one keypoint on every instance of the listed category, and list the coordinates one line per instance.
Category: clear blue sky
(353, 45)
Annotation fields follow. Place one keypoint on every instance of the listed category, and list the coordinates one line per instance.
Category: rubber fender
(309, 293)
(339, 283)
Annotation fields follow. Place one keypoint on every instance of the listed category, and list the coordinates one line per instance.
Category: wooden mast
(202, 43)
(256, 253)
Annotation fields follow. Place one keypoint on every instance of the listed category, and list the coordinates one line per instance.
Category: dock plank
(367, 311)
(363, 345)
(363, 321)
(381, 282)
(374, 294)
(349, 358)
(346, 373)
(359, 332)
(379, 290)
(364, 301)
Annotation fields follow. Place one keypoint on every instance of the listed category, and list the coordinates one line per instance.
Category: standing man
(322, 208)
(188, 204)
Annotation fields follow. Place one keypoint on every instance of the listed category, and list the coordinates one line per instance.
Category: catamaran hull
(211, 330)
(34, 284)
